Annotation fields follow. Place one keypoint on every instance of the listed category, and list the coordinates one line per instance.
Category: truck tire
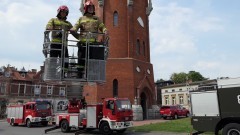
(12, 122)
(231, 129)
(105, 129)
(28, 123)
(121, 131)
(65, 126)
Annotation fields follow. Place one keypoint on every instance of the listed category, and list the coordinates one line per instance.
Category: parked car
(173, 111)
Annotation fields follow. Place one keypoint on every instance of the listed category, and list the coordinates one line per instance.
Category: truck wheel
(28, 123)
(12, 122)
(105, 129)
(121, 131)
(65, 126)
(231, 129)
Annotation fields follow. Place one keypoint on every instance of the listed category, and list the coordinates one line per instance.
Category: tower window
(138, 47)
(144, 48)
(115, 18)
(115, 88)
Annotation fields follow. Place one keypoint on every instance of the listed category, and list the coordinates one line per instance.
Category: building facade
(159, 86)
(179, 93)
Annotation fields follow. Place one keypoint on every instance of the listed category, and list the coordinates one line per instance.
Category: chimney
(42, 68)
(34, 71)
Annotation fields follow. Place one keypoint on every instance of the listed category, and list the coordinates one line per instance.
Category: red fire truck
(29, 113)
(113, 114)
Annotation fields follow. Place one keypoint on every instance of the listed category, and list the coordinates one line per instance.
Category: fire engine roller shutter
(203, 107)
(91, 117)
(73, 120)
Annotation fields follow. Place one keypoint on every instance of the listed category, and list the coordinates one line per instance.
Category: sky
(185, 35)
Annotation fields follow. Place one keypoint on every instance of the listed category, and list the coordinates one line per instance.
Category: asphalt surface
(6, 129)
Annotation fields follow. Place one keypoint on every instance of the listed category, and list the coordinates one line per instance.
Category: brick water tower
(129, 72)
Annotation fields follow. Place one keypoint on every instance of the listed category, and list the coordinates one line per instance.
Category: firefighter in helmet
(57, 25)
(87, 23)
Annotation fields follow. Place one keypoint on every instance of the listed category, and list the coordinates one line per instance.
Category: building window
(61, 106)
(23, 75)
(180, 99)
(166, 91)
(173, 90)
(180, 89)
(37, 90)
(62, 91)
(2, 87)
(166, 101)
(49, 90)
(173, 100)
(144, 48)
(115, 18)
(138, 47)
(115, 88)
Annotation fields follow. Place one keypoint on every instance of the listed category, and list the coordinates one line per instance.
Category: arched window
(138, 47)
(115, 18)
(115, 88)
(144, 48)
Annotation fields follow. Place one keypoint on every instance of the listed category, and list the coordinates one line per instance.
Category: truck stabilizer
(51, 129)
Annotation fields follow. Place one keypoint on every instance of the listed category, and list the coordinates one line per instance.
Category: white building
(179, 93)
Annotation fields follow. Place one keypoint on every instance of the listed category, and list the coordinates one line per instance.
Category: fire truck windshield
(42, 106)
(123, 104)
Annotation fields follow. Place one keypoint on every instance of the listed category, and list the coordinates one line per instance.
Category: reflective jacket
(89, 24)
(57, 24)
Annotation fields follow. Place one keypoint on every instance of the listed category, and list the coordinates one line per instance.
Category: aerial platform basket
(66, 68)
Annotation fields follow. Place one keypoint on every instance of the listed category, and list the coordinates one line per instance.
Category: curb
(3, 120)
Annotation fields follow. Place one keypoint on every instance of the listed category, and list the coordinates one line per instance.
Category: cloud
(174, 31)
(208, 24)
(23, 23)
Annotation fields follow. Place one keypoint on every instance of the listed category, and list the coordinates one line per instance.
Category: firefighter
(87, 23)
(57, 25)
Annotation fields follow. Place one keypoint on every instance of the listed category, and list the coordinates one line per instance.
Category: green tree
(159, 80)
(184, 77)
(179, 77)
(195, 76)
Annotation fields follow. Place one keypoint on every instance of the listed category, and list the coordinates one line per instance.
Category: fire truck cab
(113, 114)
(29, 113)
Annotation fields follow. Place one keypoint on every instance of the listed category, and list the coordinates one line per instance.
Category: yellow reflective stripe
(58, 40)
(89, 40)
(101, 25)
(79, 66)
(104, 29)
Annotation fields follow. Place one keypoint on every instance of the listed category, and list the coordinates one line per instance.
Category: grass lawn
(182, 125)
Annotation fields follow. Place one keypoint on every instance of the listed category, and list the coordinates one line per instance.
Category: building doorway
(144, 104)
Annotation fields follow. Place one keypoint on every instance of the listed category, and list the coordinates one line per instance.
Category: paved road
(6, 129)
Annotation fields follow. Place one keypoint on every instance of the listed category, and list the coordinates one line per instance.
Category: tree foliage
(179, 77)
(195, 76)
(184, 77)
(160, 80)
